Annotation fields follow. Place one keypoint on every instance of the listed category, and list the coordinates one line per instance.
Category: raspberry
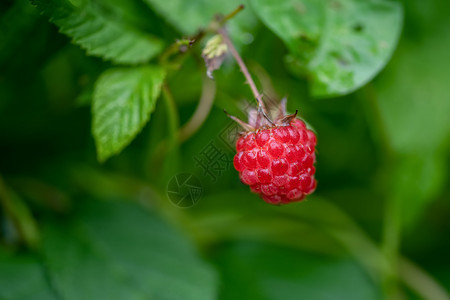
(276, 159)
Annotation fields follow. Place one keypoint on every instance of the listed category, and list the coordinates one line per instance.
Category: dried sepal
(245, 126)
(214, 54)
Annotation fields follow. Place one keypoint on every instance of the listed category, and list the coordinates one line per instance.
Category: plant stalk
(243, 67)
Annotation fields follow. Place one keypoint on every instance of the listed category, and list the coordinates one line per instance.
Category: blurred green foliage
(339, 46)
(81, 80)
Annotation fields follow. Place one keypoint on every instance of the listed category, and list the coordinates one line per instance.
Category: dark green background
(71, 228)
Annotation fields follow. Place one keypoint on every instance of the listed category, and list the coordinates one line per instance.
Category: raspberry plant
(103, 102)
(277, 161)
(275, 156)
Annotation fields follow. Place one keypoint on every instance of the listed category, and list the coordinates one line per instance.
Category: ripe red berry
(276, 159)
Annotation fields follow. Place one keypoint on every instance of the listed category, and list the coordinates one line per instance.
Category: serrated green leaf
(280, 273)
(97, 28)
(123, 101)
(117, 250)
(339, 45)
(23, 277)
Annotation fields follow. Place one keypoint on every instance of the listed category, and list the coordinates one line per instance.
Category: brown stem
(232, 14)
(243, 67)
(174, 48)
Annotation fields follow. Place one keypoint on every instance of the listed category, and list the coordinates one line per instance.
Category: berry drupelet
(276, 159)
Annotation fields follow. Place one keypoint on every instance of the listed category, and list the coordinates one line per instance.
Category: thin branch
(243, 67)
(201, 112)
(420, 282)
(231, 15)
(172, 113)
(187, 43)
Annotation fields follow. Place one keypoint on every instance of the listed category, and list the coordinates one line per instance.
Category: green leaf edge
(309, 76)
(376, 70)
(102, 158)
(158, 43)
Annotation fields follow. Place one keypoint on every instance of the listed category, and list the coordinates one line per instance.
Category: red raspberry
(276, 159)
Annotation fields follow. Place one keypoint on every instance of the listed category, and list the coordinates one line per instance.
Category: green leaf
(281, 273)
(21, 215)
(117, 250)
(417, 178)
(190, 16)
(22, 277)
(101, 29)
(339, 45)
(123, 101)
(414, 105)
